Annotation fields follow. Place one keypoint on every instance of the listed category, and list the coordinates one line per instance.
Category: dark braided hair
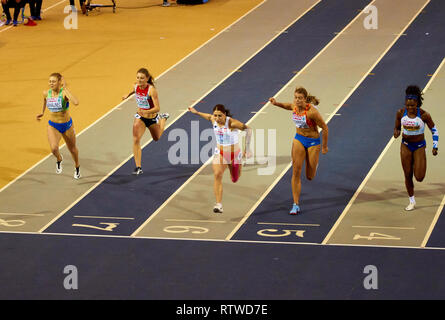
(415, 91)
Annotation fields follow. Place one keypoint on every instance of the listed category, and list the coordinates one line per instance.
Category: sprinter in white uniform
(412, 150)
(227, 151)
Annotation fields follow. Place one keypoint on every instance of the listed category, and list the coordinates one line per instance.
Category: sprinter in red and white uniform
(227, 151)
(147, 114)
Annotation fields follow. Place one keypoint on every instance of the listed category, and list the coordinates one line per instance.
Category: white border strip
(217, 240)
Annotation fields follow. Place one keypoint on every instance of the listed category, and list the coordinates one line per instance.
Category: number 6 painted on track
(183, 229)
(12, 223)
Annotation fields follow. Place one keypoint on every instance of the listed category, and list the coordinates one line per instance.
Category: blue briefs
(61, 127)
(413, 146)
(307, 142)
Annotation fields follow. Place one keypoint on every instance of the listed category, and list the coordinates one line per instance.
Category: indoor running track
(155, 237)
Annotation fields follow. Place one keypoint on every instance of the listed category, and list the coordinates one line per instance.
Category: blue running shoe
(295, 209)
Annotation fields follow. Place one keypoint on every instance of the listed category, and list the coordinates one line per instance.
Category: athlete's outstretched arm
(287, 106)
(128, 95)
(206, 116)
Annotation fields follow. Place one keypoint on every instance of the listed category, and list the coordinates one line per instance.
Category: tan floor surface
(99, 61)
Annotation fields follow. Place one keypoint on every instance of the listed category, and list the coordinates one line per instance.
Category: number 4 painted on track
(376, 236)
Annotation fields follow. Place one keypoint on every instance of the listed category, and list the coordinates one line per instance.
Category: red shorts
(233, 158)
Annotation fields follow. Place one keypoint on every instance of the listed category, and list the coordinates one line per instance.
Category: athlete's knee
(420, 177)
(73, 149)
(54, 150)
(218, 175)
(156, 138)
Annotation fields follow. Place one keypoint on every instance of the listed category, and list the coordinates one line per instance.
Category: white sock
(412, 200)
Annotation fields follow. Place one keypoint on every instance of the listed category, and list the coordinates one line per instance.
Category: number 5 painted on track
(298, 233)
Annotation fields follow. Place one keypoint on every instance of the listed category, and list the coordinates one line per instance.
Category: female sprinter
(227, 151)
(412, 149)
(147, 114)
(306, 144)
(57, 100)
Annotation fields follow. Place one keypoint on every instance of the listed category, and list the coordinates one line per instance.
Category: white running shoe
(411, 206)
(166, 4)
(77, 173)
(164, 116)
(218, 208)
(59, 166)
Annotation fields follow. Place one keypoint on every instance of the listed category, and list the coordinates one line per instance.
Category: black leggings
(35, 6)
(15, 5)
(80, 2)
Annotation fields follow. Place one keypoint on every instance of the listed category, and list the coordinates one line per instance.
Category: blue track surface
(123, 195)
(112, 268)
(358, 136)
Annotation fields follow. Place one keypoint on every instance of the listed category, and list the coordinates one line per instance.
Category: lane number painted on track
(184, 229)
(280, 233)
(12, 223)
(376, 236)
(109, 226)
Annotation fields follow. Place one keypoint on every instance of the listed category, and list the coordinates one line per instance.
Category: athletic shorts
(232, 158)
(148, 122)
(307, 142)
(61, 127)
(413, 146)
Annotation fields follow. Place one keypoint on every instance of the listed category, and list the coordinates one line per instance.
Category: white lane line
(201, 221)
(290, 224)
(383, 227)
(433, 223)
(210, 159)
(22, 214)
(97, 217)
(368, 176)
